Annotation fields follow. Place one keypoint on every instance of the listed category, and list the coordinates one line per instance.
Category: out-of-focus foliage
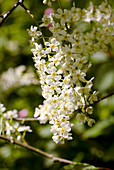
(79, 167)
(91, 145)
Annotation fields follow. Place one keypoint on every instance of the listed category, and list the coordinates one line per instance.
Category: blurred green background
(90, 145)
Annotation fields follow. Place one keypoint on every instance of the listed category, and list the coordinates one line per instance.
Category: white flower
(19, 137)
(43, 118)
(54, 128)
(2, 108)
(8, 128)
(64, 130)
(81, 61)
(46, 20)
(89, 13)
(63, 16)
(81, 117)
(78, 75)
(33, 32)
(56, 138)
(37, 112)
(53, 100)
(68, 52)
(10, 114)
(98, 15)
(88, 17)
(16, 125)
(56, 59)
(36, 51)
(89, 83)
(53, 44)
(24, 129)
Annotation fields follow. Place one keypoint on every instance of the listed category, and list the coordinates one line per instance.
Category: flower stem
(59, 3)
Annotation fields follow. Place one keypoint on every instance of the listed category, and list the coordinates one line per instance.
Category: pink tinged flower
(49, 11)
(50, 25)
(23, 113)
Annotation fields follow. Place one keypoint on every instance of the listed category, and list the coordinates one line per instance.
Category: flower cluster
(62, 63)
(10, 127)
(15, 77)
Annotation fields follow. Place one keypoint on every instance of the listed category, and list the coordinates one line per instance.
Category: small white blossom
(81, 117)
(2, 108)
(8, 128)
(34, 33)
(10, 114)
(53, 45)
(24, 129)
(46, 21)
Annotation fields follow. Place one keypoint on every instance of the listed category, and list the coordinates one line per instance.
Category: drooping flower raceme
(62, 63)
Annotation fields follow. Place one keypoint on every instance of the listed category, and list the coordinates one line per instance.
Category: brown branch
(20, 2)
(5, 16)
(26, 119)
(50, 156)
(104, 97)
(31, 15)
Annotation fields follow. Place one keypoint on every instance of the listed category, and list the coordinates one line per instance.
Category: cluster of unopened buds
(9, 126)
(62, 62)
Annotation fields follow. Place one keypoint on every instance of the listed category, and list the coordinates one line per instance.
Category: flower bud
(23, 113)
(49, 11)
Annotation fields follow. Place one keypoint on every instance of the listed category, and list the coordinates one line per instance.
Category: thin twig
(59, 3)
(20, 2)
(26, 119)
(31, 15)
(5, 16)
(50, 156)
(104, 97)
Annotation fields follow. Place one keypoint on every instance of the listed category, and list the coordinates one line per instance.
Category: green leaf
(106, 80)
(81, 166)
(99, 57)
(109, 154)
(44, 131)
